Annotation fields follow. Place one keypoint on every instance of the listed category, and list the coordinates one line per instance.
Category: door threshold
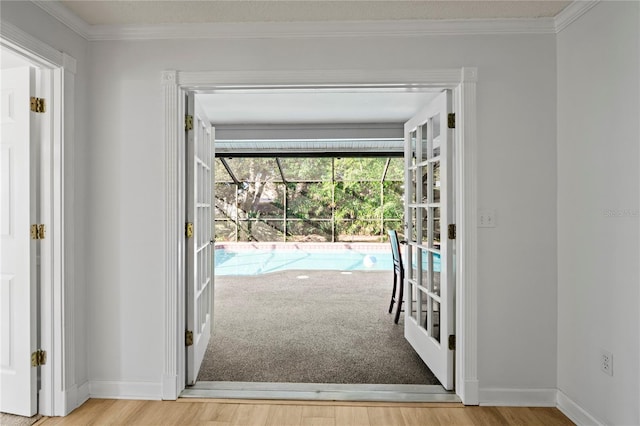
(320, 392)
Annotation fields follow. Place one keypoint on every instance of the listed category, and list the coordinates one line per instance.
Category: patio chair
(398, 275)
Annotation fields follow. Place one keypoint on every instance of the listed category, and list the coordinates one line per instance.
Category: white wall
(34, 21)
(598, 219)
(119, 188)
(517, 176)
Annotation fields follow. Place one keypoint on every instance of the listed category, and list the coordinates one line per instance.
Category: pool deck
(309, 247)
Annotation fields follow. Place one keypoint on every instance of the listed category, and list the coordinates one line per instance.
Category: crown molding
(254, 30)
(271, 30)
(64, 15)
(572, 12)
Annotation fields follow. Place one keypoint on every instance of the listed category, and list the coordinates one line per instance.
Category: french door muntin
(429, 280)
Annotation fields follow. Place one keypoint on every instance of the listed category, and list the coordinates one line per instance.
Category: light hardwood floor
(283, 413)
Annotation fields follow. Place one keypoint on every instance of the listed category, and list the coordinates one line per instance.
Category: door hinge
(188, 338)
(188, 231)
(188, 122)
(38, 358)
(38, 104)
(451, 120)
(452, 342)
(38, 232)
(451, 231)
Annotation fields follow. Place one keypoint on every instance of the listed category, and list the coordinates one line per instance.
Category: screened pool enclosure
(323, 199)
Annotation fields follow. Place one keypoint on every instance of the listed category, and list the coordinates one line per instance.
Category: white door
(18, 270)
(199, 194)
(429, 272)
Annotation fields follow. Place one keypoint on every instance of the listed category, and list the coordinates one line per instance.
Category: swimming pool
(264, 258)
(256, 258)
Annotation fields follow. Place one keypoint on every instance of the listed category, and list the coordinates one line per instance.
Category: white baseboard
(125, 390)
(74, 397)
(576, 413)
(518, 397)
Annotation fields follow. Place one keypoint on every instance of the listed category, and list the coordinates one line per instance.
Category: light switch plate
(486, 218)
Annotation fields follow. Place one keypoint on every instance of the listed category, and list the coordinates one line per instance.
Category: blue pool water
(259, 261)
(256, 262)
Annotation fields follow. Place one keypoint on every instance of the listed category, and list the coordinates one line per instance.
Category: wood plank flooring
(283, 413)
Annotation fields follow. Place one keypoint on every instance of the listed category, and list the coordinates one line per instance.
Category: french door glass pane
(425, 142)
(424, 190)
(435, 228)
(435, 320)
(410, 271)
(434, 271)
(435, 126)
(421, 312)
(412, 187)
(413, 211)
(413, 147)
(436, 183)
(425, 268)
(414, 263)
(425, 227)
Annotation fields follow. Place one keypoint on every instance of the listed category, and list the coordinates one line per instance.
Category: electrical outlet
(487, 218)
(606, 362)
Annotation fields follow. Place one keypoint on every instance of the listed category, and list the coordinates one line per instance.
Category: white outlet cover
(606, 362)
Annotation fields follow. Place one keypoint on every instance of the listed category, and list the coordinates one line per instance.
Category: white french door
(429, 272)
(18, 274)
(199, 234)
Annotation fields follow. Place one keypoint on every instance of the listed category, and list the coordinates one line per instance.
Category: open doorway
(453, 80)
(302, 249)
(324, 200)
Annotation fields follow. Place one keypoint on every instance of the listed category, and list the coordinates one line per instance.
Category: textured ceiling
(149, 12)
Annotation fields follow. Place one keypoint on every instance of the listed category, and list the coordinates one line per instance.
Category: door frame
(57, 250)
(462, 81)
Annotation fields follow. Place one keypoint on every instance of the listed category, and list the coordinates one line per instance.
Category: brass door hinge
(452, 342)
(38, 358)
(188, 122)
(38, 104)
(188, 231)
(188, 338)
(451, 231)
(451, 120)
(38, 232)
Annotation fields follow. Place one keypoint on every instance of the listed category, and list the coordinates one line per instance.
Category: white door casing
(199, 195)
(55, 81)
(18, 274)
(462, 81)
(429, 210)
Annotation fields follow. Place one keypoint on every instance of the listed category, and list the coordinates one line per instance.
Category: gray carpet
(13, 420)
(329, 328)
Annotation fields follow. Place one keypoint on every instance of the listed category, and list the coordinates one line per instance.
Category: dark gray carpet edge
(328, 328)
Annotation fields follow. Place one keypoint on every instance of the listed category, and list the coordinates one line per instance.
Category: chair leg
(400, 298)
(393, 292)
